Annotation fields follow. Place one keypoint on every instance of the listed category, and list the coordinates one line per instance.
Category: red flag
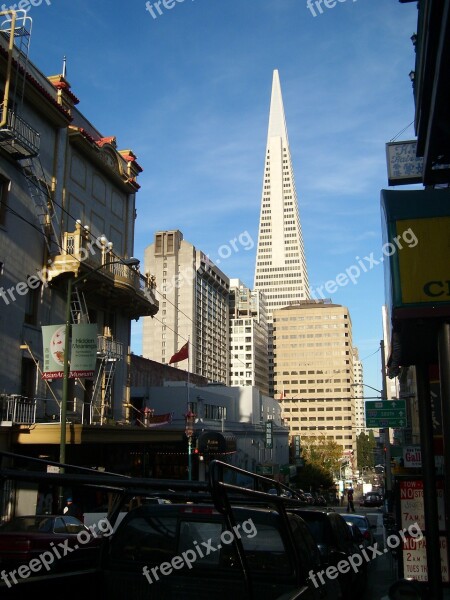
(182, 354)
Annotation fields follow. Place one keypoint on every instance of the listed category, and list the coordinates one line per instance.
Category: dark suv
(188, 551)
(227, 542)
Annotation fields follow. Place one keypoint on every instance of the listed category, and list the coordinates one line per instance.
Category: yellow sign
(425, 268)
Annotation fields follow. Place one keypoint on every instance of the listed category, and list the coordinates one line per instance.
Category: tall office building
(280, 259)
(314, 375)
(249, 365)
(193, 299)
(358, 392)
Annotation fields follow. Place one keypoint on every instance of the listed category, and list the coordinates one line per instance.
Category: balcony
(16, 410)
(18, 138)
(124, 287)
(109, 348)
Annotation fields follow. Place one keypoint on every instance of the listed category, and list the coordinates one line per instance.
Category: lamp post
(129, 262)
(189, 430)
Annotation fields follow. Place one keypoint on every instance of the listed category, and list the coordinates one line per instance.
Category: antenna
(64, 67)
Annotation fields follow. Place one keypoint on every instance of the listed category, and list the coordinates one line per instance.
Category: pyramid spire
(280, 271)
(277, 120)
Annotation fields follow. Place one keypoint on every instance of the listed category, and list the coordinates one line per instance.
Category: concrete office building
(249, 365)
(193, 295)
(280, 261)
(358, 392)
(313, 358)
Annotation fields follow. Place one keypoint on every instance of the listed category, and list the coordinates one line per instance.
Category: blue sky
(189, 93)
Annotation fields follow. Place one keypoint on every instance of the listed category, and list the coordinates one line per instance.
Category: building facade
(313, 358)
(193, 295)
(280, 270)
(358, 392)
(249, 363)
(239, 414)
(67, 215)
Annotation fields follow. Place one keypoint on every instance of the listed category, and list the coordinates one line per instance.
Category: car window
(306, 546)
(44, 525)
(340, 530)
(318, 528)
(197, 534)
(145, 538)
(60, 526)
(265, 551)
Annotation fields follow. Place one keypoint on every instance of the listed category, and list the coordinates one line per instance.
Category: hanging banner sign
(269, 435)
(83, 350)
(53, 340)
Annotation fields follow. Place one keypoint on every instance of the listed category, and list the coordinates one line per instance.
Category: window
(32, 302)
(28, 377)
(4, 189)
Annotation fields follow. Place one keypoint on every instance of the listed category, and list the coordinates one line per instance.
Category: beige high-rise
(314, 370)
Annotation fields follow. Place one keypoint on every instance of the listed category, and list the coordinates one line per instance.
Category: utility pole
(386, 436)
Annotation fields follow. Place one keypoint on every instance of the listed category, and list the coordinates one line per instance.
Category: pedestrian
(350, 504)
(72, 510)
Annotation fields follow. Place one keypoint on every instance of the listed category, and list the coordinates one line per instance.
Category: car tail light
(366, 535)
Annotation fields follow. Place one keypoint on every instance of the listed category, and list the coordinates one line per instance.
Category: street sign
(386, 413)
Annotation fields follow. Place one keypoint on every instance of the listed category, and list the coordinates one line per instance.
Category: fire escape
(22, 143)
(17, 137)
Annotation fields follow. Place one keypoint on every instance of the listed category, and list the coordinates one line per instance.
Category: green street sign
(386, 413)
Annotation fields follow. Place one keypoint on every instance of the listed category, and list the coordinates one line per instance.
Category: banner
(53, 340)
(83, 350)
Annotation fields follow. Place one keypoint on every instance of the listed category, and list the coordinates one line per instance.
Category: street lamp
(129, 262)
(189, 430)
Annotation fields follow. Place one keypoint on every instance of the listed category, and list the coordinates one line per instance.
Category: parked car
(336, 542)
(68, 542)
(373, 499)
(364, 526)
(178, 550)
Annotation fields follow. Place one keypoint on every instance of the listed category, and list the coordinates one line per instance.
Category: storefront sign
(268, 442)
(403, 166)
(412, 457)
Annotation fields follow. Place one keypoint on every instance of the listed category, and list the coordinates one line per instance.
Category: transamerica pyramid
(280, 270)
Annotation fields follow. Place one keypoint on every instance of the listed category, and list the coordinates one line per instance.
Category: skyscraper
(280, 259)
(193, 300)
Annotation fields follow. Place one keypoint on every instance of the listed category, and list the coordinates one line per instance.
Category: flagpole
(190, 416)
(189, 359)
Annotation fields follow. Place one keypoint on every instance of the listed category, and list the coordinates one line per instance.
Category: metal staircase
(110, 352)
(41, 194)
(78, 307)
